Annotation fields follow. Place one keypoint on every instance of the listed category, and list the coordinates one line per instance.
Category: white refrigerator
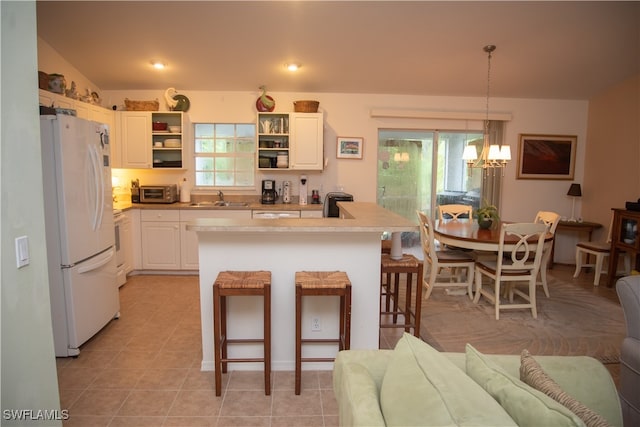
(79, 228)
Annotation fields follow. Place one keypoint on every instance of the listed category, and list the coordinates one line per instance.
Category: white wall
(28, 362)
(51, 62)
(349, 115)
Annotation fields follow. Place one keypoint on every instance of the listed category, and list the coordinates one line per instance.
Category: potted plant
(486, 216)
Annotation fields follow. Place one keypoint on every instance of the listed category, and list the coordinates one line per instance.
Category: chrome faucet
(221, 195)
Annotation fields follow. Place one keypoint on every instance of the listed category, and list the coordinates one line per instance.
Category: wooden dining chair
(454, 211)
(551, 220)
(437, 261)
(600, 251)
(521, 263)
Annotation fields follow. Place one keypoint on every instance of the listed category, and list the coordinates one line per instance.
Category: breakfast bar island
(350, 243)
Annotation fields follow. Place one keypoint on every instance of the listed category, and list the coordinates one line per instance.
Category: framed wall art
(349, 147)
(546, 156)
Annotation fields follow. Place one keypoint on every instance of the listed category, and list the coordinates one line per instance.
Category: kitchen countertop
(359, 217)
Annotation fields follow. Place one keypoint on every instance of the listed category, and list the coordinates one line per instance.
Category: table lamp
(574, 191)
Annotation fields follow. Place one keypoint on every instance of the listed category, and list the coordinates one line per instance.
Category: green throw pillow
(421, 387)
(526, 405)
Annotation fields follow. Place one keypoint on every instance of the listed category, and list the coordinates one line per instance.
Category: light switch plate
(22, 251)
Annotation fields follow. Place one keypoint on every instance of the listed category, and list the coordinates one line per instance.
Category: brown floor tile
(190, 421)
(128, 359)
(87, 421)
(92, 359)
(68, 397)
(135, 421)
(246, 403)
(329, 403)
(149, 403)
(247, 380)
(162, 379)
(201, 403)
(177, 359)
(76, 378)
(285, 380)
(99, 402)
(117, 378)
(244, 422)
(201, 380)
(286, 403)
(312, 421)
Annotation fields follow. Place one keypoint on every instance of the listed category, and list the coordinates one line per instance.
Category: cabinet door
(160, 245)
(49, 99)
(126, 242)
(135, 139)
(189, 239)
(306, 139)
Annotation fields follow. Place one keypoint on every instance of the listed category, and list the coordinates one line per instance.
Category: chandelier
(493, 155)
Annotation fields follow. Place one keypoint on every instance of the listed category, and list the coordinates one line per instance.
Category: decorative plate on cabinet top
(183, 103)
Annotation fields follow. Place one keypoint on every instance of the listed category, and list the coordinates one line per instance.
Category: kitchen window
(224, 155)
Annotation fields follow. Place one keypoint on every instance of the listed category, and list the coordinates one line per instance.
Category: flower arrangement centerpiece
(487, 215)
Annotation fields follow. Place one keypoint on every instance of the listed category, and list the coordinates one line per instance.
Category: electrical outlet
(315, 324)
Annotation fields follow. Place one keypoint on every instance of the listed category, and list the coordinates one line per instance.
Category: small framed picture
(546, 156)
(349, 147)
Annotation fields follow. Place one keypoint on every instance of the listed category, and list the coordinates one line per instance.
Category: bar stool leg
(298, 339)
(407, 306)
(396, 287)
(267, 340)
(216, 339)
(223, 331)
(347, 319)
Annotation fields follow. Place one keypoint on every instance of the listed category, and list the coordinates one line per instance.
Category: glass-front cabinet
(624, 238)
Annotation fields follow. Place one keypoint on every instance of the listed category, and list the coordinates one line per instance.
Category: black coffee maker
(268, 191)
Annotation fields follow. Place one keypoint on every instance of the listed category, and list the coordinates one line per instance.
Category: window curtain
(492, 177)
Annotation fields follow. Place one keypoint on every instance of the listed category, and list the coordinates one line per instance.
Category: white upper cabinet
(143, 146)
(290, 141)
(307, 146)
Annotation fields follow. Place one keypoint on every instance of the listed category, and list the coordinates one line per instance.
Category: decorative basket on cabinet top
(305, 106)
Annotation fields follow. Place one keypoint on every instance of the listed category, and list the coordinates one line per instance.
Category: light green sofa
(415, 385)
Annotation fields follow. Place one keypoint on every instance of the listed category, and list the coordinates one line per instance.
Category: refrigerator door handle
(97, 189)
(100, 260)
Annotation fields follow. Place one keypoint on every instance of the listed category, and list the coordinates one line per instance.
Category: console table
(580, 227)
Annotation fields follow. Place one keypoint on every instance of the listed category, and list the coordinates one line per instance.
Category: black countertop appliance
(330, 208)
(269, 194)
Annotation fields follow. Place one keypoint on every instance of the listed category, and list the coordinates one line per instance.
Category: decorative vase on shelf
(265, 103)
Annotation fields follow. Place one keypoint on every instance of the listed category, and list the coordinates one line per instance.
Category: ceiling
(554, 50)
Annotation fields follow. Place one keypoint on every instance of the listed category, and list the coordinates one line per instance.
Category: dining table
(465, 233)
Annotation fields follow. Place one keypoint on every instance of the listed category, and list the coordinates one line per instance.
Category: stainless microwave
(159, 193)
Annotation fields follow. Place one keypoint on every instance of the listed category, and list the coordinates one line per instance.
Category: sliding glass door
(418, 170)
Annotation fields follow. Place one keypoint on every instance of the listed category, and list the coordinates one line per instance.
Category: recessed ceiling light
(292, 66)
(158, 65)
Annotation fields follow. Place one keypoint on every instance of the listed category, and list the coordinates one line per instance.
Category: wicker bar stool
(320, 283)
(240, 283)
(386, 284)
(409, 265)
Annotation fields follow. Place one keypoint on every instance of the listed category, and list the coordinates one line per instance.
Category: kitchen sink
(219, 203)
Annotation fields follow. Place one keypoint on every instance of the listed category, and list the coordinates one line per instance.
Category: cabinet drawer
(191, 214)
(160, 215)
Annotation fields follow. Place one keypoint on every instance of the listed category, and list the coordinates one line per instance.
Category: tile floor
(144, 370)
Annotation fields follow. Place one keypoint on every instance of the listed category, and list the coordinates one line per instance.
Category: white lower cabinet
(160, 233)
(189, 239)
(126, 242)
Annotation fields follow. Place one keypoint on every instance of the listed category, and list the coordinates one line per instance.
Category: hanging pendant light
(493, 156)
